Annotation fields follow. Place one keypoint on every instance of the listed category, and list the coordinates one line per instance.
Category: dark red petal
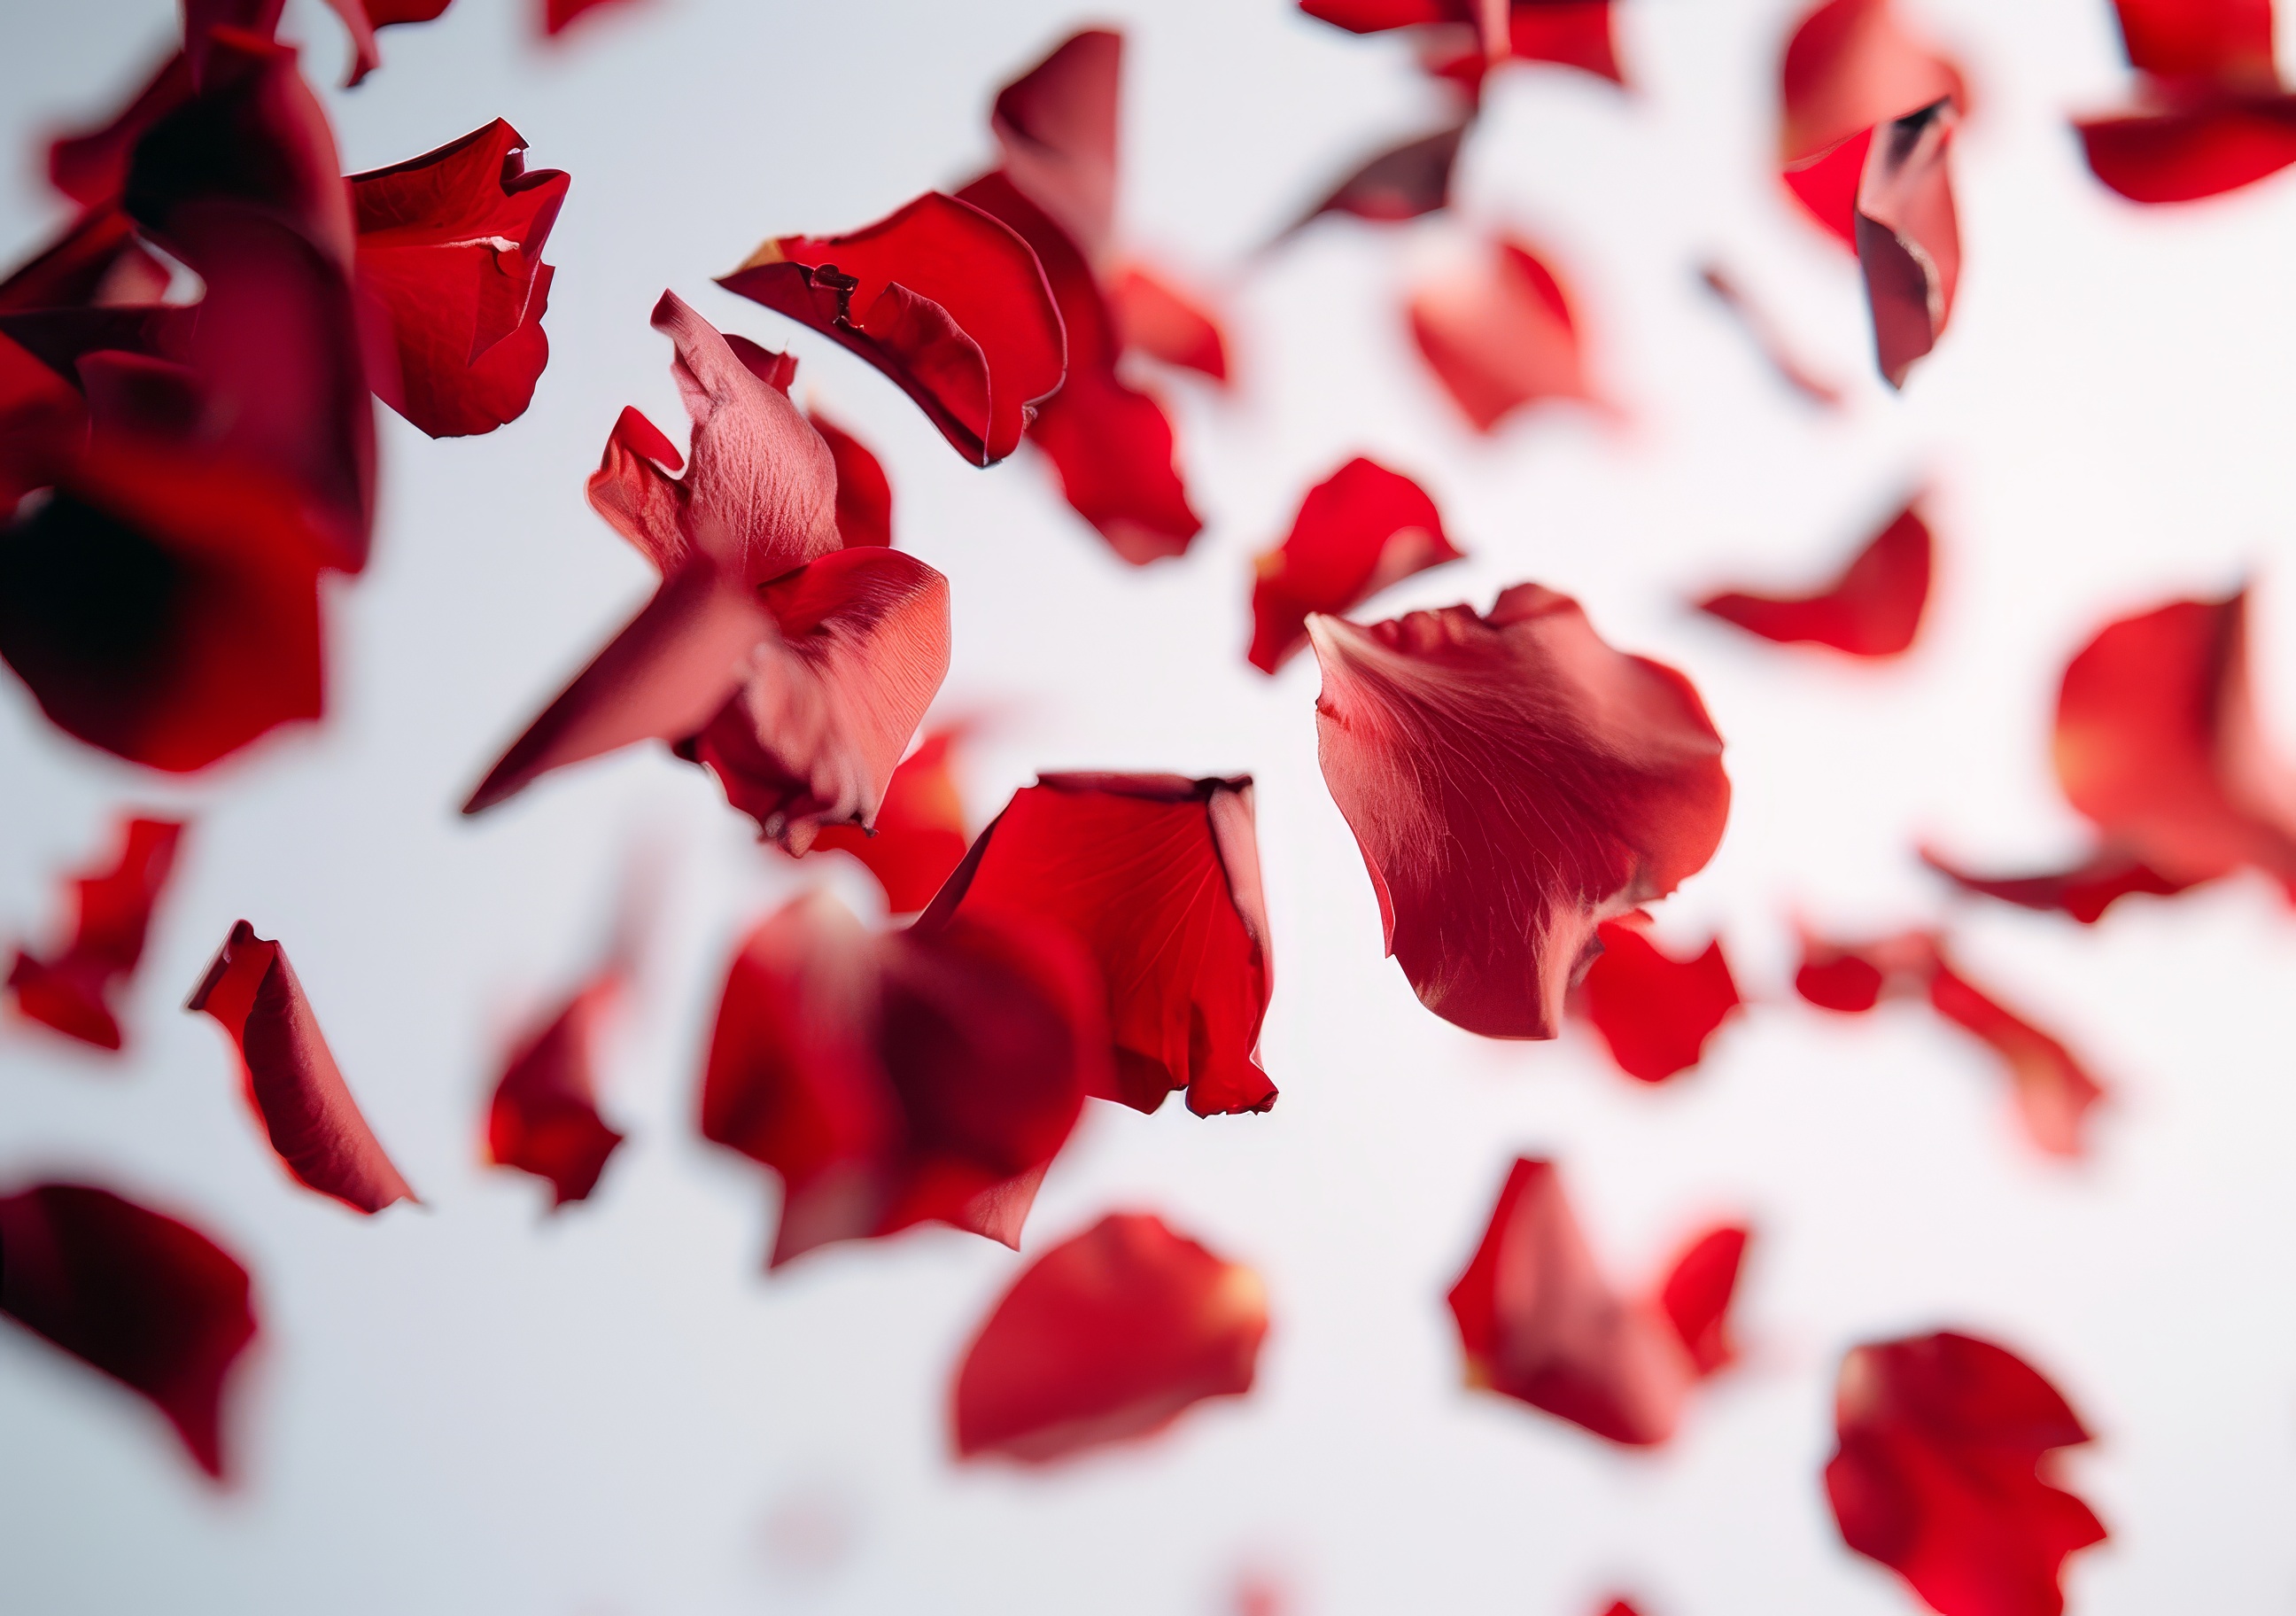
(1696, 1296)
(2053, 1093)
(292, 1080)
(557, 15)
(1403, 182)
(2183, 154)
(1377, 16)
(543, 1119)
(1849, 66)
(450, 245)
(1499, 334)
(1654, 1011)
(91, 168)
(1871, 608)
(865, 494)
(1538, 1323)
(828, 704)
(1108, 1337)
(151, 1302)
(921, 834)
(1057, 126)
(1908, 239)
(1511, 782)
(2084, 892)
(1158, 321)
(70, 990)
(1359, 530)
(1937, 1475)
(1158, 878)
(2221, 39)
(946, 300)
(899, 1078)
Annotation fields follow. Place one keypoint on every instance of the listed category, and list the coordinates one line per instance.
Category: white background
(474, 1407)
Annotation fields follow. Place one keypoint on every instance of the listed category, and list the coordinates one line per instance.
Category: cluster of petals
(1869, 117)
(1108, 1337)
(2212, 113)
(1941, 1473)
(898, 1077)
(1157, 878)
(1538, 1321)
(544, 1117)
(292, 1079)
(1513, 781)
(70, 989)
(2052, 1091)
(1654, 1011)
(1358, 531)
(1871, 608)
(1497, 331)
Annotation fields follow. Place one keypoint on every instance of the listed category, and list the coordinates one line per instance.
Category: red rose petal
(1108, 1337)
(1056, 126)
(2184, 154)
(292, 1080)
(1158, 878)
(1358, 531)
(1826, 184)
(1499, 335)
(1850, 66)
(1403, 182)
(543, 1119)
(1158, 321)
(1654, 1011)
(2084, 892)
(1871, 608)
(1575, 33)
(450, 245)
(902, 1078)
(90, 168)
(1939, 1474)
(1511, 782)
(921, 834)
(151, 1302)
(865, 494)
(557, 15)
(946, 302)
(1765, 336)
(71, 990)
(1908, 238)
(2198, 38)
(1697, 1293)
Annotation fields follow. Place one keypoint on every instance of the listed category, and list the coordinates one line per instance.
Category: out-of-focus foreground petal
(292, 1080)
(1939, 1474)
(1513, 781)
(70, 990)
(1158, 320)
(134, 1294)
(1108, 1337)
(558, 15)
(1498, 334)
(543, 1119)
(2211, 115)
(1871, 608)
(2085, 892)
(921, 834)
(1573, 33)
(1654, 1011)
(1158, 877)
(1359, 530)
(1697, 1293)
(894, 1079)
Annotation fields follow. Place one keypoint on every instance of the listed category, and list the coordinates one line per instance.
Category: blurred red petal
(70, 990)
(1765, 336)
(450, 245)
(543, 1119)
(1158, 878)
(91, 167)
(1158, 321)
(1358, 531)
(1871, 608)
(946, 300)
(2224, 39)
(865, 494)
(1573, 33)
(921, 834)
(1939, 1474)
(1377, 16)
(1498, 334)
(901, 1077)
(151, 1302)
(292, 1080)
(1403, 182)
(2185, 153)
(1839, 980)
(1056, 126)
(1654, 1011)
(1908, 237)
(2085, 892)
(1850, 66)
(1697, 1293)
(1511, 782)
(1108, 1337)
(1826, 184)
(558, 15)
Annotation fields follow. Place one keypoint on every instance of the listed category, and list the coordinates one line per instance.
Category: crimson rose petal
(1108, 1337)
(1697, 1294)
(558, 15)
(292, 1080)
(2085, 892)
(1157, 320)
(71, 990)
(1513, 781)
(1654, 1011)
(921, 828)
(865, 494)
(1359, 530)
(543, 1119)
(1499, 335)
(133, 1294)
(1871, 608)
(1403, 182)
(1057, 127)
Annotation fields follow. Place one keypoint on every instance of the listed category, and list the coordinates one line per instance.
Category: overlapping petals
(865, 494)
(921, 836)
(292, 1080)
(544, 1118)
(1498, 332)
(1941, 1474)
(70, 989)
(1108, 1337)
(1358, 531)
(898, 1079)
(133, 1294)
(1871, 608)
(1655, 1012)
(1513, 781)
(2211, 114)
(1158, 877)
(1538, 1322)
(1766, 338)
(1464, 37)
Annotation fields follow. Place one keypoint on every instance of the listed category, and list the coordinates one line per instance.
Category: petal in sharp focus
(70, 989)
(1160, 321)
(1057, 127)
(946, 302)
(1654, 1011)
(544, 1118)
(1939, 1474)
(1511, 782)
(450, 247)
(1358, 531)
(921, 834)
(1498, 334)
(1538, 1322)
(133, 1294)
(1108, 1337)
(904, 1077)
(292, 1081)
(1158, 877)
(1697, 1294)
(2184, 153)
(1873, 607)
(1909, 236)
(865, 494)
